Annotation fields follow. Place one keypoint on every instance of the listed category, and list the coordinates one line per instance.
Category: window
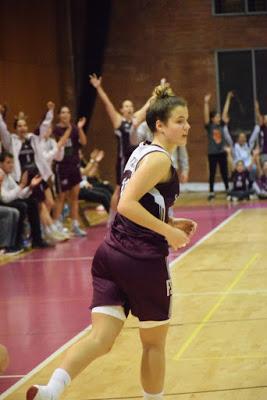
(237, 7)
(243, 72)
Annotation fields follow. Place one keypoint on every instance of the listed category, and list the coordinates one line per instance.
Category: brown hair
(162, 105)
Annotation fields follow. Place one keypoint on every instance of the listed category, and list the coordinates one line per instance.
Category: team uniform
(260, 187)
(241, 185)
(124, 147)
(27, 163)
(130, 268)
(67, 171)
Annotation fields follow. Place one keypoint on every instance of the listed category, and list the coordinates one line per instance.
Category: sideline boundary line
(83, 332)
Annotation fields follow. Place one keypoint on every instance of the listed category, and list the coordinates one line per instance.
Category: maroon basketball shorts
(67, 178)
(140, 286)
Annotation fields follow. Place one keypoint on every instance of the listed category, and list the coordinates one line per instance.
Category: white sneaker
(78, 231)
(62, 229)
(37, 392)
(59, 236)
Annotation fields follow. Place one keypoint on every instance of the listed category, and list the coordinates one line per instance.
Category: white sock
(47, 230)
(148, 396)
(58, 224)
(59, 380)
(53, 227)
(75, 223)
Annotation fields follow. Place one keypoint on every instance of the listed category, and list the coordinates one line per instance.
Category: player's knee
(103, 343)
(4, 358)
(159, 347)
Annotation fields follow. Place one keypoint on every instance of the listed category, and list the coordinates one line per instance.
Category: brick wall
(150, 39)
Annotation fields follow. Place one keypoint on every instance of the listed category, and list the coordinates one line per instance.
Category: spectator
(9, 218)
(68, 176)
(214, 125)
(242, 150)
(122, 123)
(94, 190)
(262, 132)
(19, 196)
(241, 183)
(260, 186)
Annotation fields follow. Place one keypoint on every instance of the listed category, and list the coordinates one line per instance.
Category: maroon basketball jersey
(134, 239)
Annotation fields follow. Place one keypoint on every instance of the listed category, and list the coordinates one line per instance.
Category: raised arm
(225, 113)
(259, 116)
(227, 136)
(207, 108)
(230, 158)
(82, 135)
(254, 136)
(47, 121)
(5, 136)
(113, 114)
(140, 115)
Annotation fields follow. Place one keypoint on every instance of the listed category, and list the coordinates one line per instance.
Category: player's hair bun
(163, 91)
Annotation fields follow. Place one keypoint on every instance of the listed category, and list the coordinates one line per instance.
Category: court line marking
(53, 259)
(83, 332)
(205, 237)
(213, 309)
(232, 293)
(233, 357)
(11, 376)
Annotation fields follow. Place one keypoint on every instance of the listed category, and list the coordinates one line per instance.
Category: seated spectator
(260, 186)
(19, 196)
(240, 179)
(9, 218)
(91, 188)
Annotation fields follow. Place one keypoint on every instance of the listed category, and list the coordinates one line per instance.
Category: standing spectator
(261, 132)
(68, 176)
(214, 125)
(122, 123)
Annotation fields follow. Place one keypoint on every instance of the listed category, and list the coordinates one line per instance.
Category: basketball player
(122, 123)
(129, 268)
(67, 175)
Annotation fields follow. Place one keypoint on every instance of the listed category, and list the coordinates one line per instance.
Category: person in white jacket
(28, 152)
(9, 218)
(19, 196)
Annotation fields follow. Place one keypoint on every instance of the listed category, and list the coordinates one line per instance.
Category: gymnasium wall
(147, 39)
(150, 39)
(35, 62)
